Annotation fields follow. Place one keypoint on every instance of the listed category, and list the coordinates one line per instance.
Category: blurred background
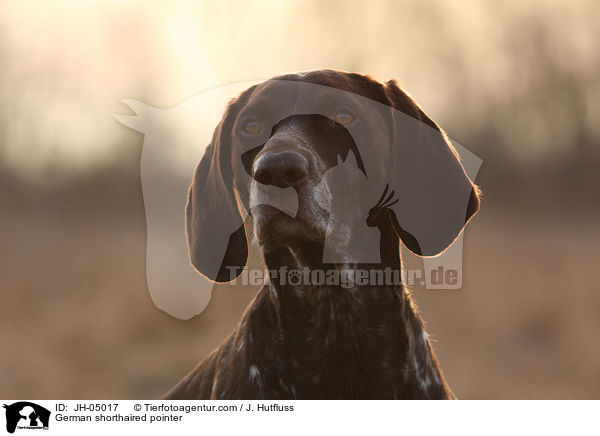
(517, 83)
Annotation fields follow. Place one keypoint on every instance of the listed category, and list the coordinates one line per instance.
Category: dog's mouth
(275, 229)
(276, 224)
(286, 217)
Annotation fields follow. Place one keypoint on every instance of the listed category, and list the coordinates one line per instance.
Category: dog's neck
(362, 341)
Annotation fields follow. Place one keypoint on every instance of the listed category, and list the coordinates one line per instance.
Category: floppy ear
(436, 196)
(215, 229)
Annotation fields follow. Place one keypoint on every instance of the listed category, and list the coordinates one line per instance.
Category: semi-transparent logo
(381, 170)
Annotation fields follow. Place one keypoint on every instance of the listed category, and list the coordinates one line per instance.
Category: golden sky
(67, 63)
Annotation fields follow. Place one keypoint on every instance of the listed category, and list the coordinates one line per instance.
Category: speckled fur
(336, 344)
(321, 342)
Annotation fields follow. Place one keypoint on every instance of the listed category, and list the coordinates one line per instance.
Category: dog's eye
(251, 126)
(344, 118)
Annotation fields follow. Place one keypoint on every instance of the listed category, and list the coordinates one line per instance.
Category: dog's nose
(283, 168)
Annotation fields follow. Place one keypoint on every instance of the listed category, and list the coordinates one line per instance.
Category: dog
(366, 170)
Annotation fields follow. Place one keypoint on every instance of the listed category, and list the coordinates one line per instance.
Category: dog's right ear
(436, 197)
(215, 229)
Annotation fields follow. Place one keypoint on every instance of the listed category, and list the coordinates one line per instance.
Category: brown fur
(310, 341)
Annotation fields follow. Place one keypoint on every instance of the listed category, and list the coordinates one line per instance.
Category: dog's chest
(342, 344)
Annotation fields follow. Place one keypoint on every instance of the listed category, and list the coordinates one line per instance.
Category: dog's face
(333, 141)
(289, 136)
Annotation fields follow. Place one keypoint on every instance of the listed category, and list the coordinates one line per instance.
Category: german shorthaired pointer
(324, 340)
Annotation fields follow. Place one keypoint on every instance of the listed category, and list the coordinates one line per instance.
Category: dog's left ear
(215, 230)
(436, 196)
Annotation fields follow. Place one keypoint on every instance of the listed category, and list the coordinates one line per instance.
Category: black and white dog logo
(26, 415)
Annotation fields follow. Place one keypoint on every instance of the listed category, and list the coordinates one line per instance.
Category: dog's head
(287, 137)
